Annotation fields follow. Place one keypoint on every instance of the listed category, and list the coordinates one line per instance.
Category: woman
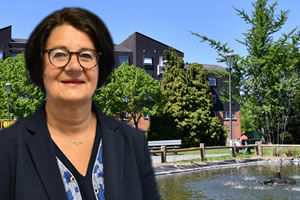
(68, 149)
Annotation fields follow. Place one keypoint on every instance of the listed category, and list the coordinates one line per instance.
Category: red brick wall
(236, 125)
(143, 124)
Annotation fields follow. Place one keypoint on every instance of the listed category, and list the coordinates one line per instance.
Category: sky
(168, 21)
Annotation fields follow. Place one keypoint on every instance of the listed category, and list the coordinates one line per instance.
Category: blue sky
(168, 21)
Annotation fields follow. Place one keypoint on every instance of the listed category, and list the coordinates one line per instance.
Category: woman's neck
(71, 118)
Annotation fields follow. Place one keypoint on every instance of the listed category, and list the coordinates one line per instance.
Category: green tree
(24, 97)
(163, 127)
(189, 103)
(293, 127)
(269, 75)
(201, 125)
(130, 90)
(175, 88)
(174, 85)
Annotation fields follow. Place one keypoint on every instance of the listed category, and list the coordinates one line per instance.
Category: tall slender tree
(175, 89)
(202, 126)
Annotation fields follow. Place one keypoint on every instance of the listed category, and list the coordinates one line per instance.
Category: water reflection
(230, 183)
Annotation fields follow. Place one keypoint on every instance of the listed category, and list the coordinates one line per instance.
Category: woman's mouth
(72, 81)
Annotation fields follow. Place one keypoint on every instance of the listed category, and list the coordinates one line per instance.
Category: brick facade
(143, 124)
(236, 125)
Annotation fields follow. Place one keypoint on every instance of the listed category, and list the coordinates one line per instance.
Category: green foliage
(201, 126)
(189, 104)
(174, 85)
(162, 127)
(268, 76)
(272, 70)
(236, 74)
(293, 126)
(131, 90)
(218, 133)
(24, 97)
(248, 118)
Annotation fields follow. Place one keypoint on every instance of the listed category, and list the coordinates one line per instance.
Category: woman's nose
(74, 64)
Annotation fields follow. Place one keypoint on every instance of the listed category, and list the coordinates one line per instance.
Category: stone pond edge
(174, 168)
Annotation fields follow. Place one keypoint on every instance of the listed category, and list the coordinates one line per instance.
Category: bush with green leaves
(129, 90)
(25, 98)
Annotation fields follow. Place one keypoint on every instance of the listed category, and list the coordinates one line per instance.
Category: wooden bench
(247, 142)
(161, 146)
(169, 144)
(251, 140)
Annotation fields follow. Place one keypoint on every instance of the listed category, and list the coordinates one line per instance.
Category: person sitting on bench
(243, 141)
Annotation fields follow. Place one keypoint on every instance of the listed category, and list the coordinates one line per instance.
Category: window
(147, 61)
(212, 81)
(124, 59)
(226, 115)
(161, 61)
(161, 66)
(214, 98)
(1, 55)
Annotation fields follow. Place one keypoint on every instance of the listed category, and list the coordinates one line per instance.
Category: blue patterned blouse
(71, 184)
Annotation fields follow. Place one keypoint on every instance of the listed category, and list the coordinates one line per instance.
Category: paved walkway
(175, 158)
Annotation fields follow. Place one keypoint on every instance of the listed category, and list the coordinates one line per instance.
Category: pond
(230, 183)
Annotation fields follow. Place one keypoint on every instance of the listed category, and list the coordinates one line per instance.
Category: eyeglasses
(60, 57)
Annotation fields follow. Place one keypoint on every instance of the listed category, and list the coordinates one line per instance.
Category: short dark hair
(80, 19)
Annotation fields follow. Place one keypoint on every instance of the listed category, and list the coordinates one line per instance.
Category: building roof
(18, 40)
(138, 33)
(7, 27)
(208, 67)
(120, 48)
(15, 49)
(214, 67)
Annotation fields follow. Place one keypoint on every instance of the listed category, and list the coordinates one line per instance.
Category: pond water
(230, 183)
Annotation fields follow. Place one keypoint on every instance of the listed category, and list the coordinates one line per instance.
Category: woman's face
(71, 83)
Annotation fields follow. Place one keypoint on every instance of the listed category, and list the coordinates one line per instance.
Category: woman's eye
(59, 55)
(85, 56)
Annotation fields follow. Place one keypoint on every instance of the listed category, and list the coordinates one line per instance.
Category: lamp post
(8, 89)
(230, 59)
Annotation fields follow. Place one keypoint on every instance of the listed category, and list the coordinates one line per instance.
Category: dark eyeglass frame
(48, 51)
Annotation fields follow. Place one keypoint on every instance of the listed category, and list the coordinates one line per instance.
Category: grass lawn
(281, 151)
(209, 151)
(267, 152)
(239, 155)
